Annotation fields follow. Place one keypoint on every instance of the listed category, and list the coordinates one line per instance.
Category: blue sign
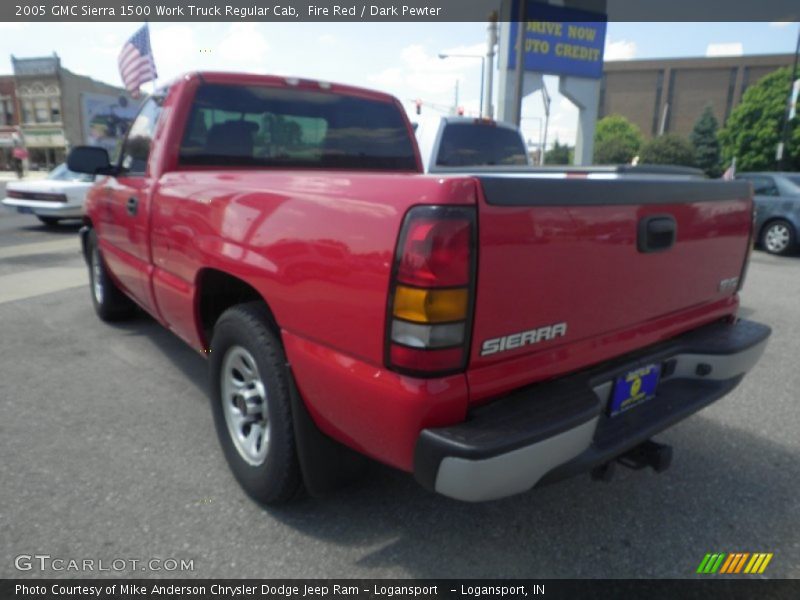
(559, 41)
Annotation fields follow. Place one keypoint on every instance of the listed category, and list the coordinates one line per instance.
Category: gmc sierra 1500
(485, 331)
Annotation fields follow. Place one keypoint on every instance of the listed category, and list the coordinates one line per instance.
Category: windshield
(795, 179)
(476, 144)
(62, 173)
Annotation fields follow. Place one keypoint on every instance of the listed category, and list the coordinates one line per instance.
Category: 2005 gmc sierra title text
(486, 331)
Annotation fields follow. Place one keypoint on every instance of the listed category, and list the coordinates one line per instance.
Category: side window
(136, 148)
(764, 186)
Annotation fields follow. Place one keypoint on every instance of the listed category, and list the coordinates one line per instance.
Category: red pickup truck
(486, 331)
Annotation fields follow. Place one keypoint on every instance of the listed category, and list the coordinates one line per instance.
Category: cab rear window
(475, 145)
(262, 126)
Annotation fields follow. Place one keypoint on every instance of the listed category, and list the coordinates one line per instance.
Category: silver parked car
(777, 200)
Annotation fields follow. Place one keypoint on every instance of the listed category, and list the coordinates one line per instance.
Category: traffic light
(419, 106)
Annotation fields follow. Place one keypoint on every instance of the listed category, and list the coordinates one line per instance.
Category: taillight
(43, 196)
(432, 291)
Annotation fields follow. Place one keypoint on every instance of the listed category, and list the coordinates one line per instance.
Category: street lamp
(779, 154)
(444, 55)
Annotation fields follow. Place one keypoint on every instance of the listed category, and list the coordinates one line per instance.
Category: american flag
(136, 64)
(730, 172)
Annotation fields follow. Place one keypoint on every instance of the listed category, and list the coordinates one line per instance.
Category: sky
(400, 58)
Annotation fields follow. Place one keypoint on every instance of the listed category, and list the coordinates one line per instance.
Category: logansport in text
(287, 591)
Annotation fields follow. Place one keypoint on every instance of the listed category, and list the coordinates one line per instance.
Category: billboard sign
(106, 119)
(559, 41)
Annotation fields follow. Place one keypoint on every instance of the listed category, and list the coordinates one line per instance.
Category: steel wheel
(244, 404)
(97, 276)
(251, 403)
(109, 302)
(777, 238)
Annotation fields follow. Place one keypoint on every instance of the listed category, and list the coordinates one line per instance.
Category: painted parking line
(38, 282)
(65, 245)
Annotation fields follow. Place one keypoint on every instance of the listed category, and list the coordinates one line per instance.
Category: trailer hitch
(647, 454)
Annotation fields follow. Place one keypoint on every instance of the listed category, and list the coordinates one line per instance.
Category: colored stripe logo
(735, 563)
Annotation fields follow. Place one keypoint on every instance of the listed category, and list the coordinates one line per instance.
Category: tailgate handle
(657, 233)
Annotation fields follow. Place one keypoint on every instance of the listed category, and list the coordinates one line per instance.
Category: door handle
(657, 233)
(132, 205)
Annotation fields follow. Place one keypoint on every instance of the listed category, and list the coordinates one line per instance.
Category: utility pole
(488, 66)
(546, 100)
(519, 67)
(781, 151)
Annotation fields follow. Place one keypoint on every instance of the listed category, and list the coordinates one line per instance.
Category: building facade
(668, 96)
(9, 121)
(58, 109)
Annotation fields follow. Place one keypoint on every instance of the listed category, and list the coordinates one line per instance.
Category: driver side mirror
(90, 159)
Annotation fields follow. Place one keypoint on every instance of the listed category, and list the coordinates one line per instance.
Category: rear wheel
(109, 302)
(779, 237)
(252, 406)
(48, 221)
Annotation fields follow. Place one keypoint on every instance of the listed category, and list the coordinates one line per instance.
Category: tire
(251, 403)
(48, 221)
(109, 302)
(779, 237)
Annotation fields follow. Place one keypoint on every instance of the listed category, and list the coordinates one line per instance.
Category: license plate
(25, 210)
(634, 388)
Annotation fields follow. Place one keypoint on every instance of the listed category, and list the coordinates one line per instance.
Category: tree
(668, 149)
(706, 144)
(753, 130)
(616, 140)
(559, 154)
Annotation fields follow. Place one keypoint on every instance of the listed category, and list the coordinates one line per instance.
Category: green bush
(706, 145)
(616, 140)
(668, 149)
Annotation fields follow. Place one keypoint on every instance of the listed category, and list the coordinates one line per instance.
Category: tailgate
(572, 272)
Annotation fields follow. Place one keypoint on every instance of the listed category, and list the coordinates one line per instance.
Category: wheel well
(217, 291)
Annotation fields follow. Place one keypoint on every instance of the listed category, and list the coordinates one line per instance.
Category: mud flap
(326, 464)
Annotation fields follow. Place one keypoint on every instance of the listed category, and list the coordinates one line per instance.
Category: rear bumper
(63, 210)
(553, 430)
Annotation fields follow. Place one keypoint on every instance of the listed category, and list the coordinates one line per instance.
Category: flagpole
(153, 82)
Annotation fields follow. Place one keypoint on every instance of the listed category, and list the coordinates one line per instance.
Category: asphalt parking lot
(107, 451)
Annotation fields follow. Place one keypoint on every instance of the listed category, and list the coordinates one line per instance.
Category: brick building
(9, 120)
(58, 109)
(670, 94)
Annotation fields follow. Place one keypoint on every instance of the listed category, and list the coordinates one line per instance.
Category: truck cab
(447, 142)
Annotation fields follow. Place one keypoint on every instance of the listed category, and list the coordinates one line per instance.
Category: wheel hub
(777, 238)
(244, 404)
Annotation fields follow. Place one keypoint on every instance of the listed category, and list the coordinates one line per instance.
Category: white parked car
(59, 196)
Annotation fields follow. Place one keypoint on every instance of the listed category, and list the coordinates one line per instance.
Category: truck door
(125, 239)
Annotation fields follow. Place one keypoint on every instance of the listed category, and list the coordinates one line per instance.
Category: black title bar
(375, 10)
(711, 588)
